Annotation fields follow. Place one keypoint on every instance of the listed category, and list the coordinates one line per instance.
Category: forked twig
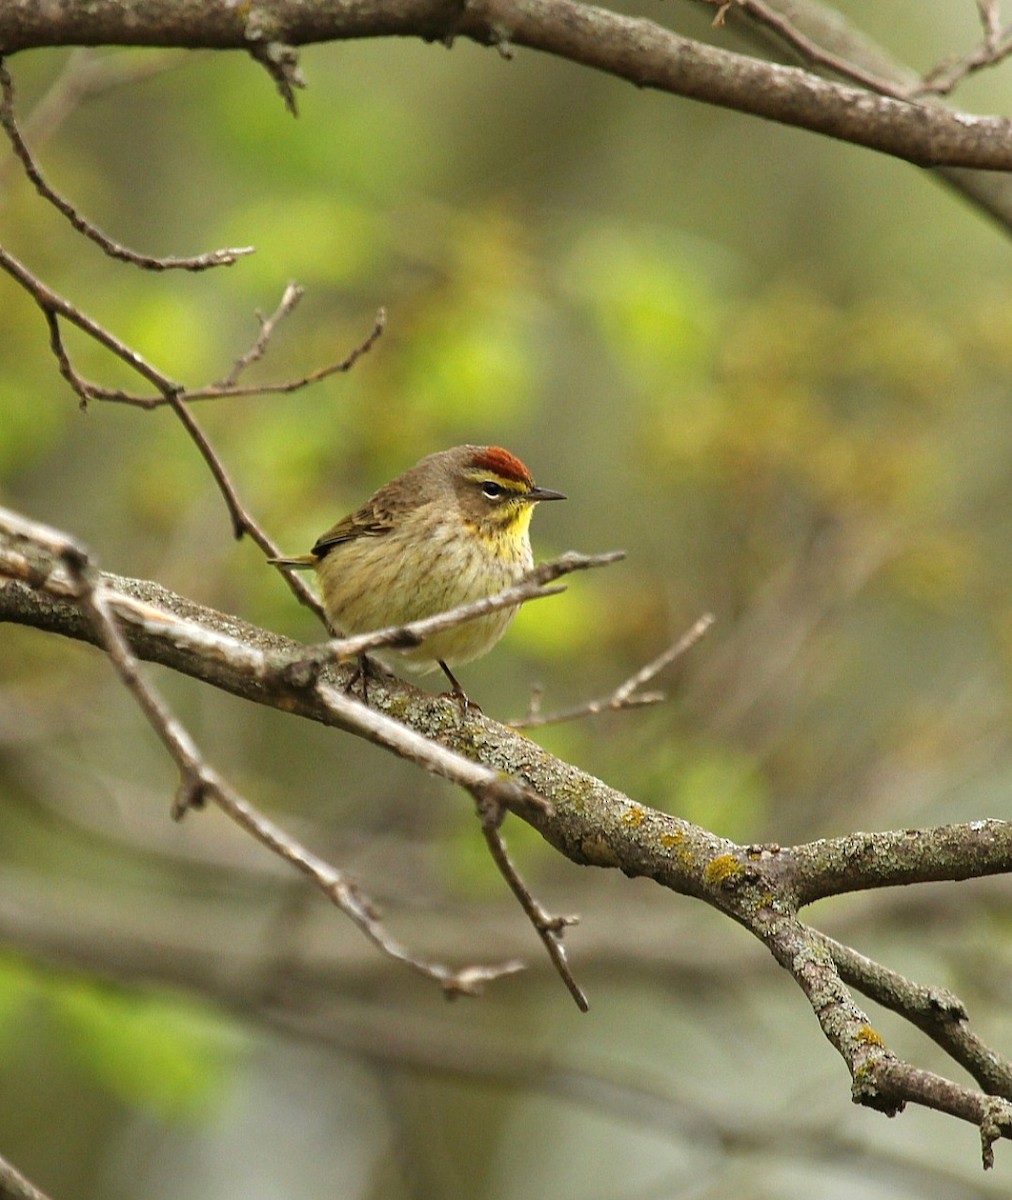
(810, 50)
(549, 928)
(55, 308)
(626, 695)
(292, 295)
(994, 48)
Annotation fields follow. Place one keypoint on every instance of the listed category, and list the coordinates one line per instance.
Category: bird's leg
(456, 691)
(363, 669)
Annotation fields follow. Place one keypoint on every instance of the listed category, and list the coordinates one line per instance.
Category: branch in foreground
(198, 782)
(587, 821)
(533, 586)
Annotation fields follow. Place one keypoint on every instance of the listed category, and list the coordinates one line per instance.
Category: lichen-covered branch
(760, 887)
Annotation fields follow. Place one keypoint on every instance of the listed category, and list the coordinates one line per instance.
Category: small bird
(451, 530)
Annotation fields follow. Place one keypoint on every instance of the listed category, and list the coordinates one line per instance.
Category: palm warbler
(452, 529)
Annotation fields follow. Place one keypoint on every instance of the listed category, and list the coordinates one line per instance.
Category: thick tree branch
(634, 49)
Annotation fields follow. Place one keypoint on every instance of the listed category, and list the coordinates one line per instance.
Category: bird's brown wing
(373, 519)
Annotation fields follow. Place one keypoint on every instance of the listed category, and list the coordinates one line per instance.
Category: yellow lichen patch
(721, 870)
(670, 840)
(870, 1037)
(634, 816)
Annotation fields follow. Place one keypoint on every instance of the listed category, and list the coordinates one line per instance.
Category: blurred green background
(773, 368)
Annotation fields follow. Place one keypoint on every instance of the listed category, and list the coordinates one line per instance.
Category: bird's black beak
(539, 493)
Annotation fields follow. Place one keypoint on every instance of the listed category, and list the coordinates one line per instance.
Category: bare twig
(226, 390)
(292, 295)
(809, 49)
(626, 694)
(549, 928)
(995, 47)
(202, 262)
(55, 307)
(279, 60)
(990, 18)
(87, 73)
(199, 783)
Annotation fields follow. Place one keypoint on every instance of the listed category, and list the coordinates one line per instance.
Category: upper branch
(640, 51)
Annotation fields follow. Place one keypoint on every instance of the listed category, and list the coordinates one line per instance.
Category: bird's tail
(302, 563)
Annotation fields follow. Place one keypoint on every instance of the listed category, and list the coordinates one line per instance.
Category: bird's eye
(492, 490)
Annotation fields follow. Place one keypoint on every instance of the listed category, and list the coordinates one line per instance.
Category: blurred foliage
(165, 1055)
(773, 369)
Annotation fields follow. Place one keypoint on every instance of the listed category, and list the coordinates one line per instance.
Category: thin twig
(531, 587)
(806, 47)
(201, 262)
(626, 694)
(86, 73)
(990, 18)
(55, 307)
(292, 295)
(220, 391)
(995, 47)
(549, 928)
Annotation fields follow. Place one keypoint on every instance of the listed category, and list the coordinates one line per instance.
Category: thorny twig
(626, 695)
